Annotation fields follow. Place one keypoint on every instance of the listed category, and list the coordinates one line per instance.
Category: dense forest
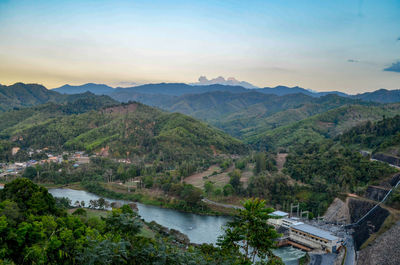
(326, 125)
(36, 229)
(374, 136)
(130, 130)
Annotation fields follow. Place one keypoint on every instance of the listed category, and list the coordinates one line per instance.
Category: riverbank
(148, 198)
(198, 228)
(145, 231)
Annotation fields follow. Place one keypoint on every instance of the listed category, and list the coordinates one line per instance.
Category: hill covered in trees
(22, 95)
(328, 124)
(246, 114)
(130, 130)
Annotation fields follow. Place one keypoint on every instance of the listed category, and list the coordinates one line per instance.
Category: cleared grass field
(219, 180)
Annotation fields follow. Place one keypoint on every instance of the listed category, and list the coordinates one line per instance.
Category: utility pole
(293, 207)
(302, 213)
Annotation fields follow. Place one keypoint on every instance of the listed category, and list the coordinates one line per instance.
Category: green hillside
(129, 130)
(259, 118)
(22, 95)
(14, 121)
(379, 137)
(325, 125)
(247, 114)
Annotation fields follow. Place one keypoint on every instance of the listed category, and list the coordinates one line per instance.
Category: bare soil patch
(121, 109)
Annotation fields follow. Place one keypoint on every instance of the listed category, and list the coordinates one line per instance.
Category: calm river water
(199, 228)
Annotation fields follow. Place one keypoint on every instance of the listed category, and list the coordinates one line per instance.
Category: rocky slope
(384, 250)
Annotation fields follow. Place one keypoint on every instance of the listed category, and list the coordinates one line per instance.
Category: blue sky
(321, 45)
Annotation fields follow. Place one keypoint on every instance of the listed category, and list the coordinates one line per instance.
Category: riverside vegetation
(35, 230)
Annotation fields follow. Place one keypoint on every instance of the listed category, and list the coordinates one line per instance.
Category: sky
(351, 45)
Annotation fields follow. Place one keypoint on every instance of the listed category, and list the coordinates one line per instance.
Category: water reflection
(199, 228)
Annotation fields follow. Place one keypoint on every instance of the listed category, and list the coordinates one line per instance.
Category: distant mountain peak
(98, 89)
(220, 80)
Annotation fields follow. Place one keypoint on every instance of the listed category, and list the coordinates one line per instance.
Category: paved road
(315, 259)
(222, 204)
(322, 259)
(351, 254)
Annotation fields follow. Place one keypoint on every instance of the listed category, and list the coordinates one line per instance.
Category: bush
(228, 190)
(80, 211)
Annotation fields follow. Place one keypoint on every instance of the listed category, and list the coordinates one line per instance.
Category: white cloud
(231, 81)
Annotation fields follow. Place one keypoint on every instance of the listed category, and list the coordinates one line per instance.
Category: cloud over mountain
(125, 84)
(395, 67)
(231, 81)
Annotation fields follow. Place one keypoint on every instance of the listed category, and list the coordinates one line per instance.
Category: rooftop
(292, 221)
(279, 214)
(315, 231)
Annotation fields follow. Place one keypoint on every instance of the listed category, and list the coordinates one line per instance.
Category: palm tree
(250, 234)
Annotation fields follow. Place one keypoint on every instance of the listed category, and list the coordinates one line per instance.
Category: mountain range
(256, 116)
(179, 89)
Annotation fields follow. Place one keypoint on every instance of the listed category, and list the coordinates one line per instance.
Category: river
(199, 228)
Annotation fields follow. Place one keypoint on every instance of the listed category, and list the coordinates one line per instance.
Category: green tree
(208, 187)
(29, 197)
(260, 162)
(191, 194)
(80, 211)
(148, 181)
(123, 223)
(30, 173)
(249, 233)
(235, 180)
(218, 192)
(121, 172)
(228, 190)
(10, 210)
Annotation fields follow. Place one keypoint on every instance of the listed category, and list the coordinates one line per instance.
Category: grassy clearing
(91, 212)
(197, 179)
(234, 199)
(213, 174)
(74, 185)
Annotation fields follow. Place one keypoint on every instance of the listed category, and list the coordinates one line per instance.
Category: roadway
(222, 204)
(322, 259)
(351, 253)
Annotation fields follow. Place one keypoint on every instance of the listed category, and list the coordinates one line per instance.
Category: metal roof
(279, 213)
(315, 231)
(292, 221)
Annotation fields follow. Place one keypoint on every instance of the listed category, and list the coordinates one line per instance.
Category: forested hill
(381, 95)
(247, 114)
(18, 119)
(25, 95)
(129, 130)
(381, 136)
(325, 125)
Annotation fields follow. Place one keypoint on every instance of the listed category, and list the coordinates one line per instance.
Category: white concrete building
(276, 218)
(313, 237)
(288, 222)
